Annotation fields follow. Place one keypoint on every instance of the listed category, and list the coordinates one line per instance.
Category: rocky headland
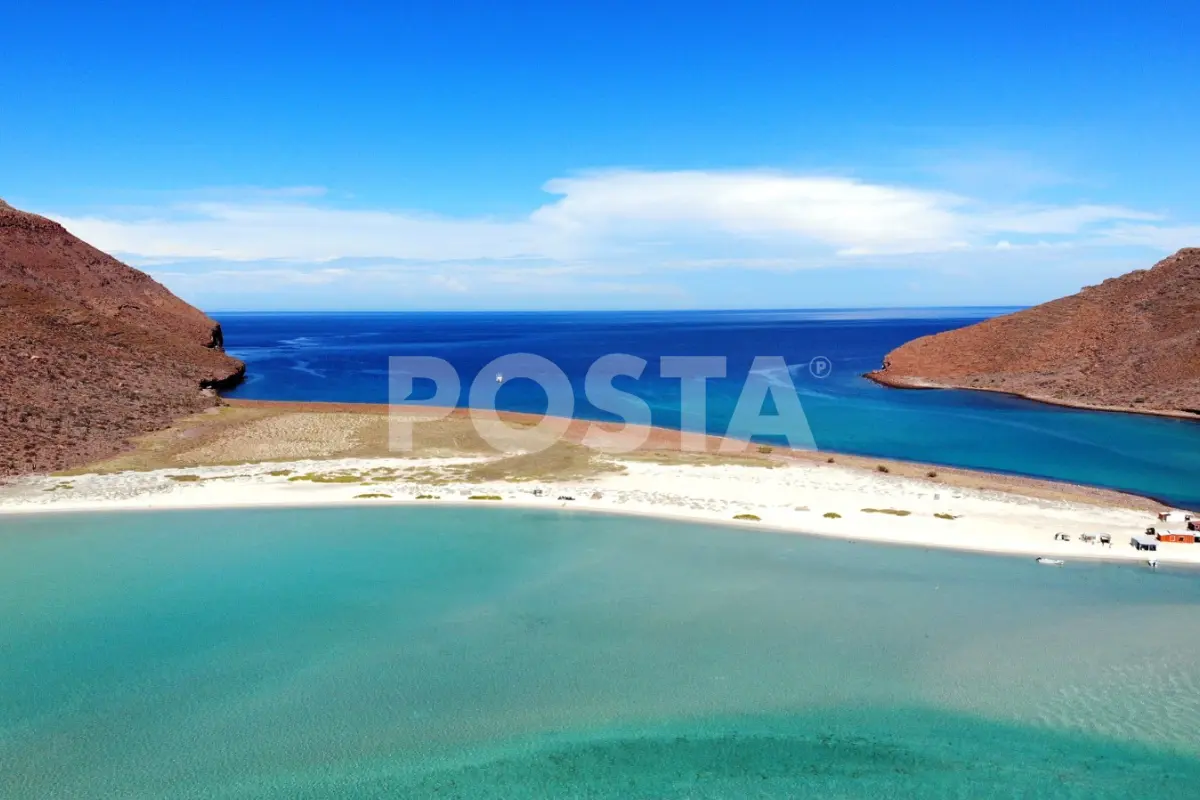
(1131, 343)
(92, 351)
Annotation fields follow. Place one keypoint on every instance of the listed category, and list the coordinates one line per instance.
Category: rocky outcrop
(92, 351)
(1131, 343)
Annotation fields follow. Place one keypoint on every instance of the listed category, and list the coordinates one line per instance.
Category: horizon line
(606, 310)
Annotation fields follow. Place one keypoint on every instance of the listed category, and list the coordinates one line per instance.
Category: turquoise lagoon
(502, 653)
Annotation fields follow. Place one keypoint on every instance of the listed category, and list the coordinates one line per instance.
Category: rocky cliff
(92, 351)
(1131, 343)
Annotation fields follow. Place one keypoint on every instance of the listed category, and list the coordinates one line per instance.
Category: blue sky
(609, 155)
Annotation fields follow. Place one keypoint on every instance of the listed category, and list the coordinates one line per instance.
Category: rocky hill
(92, 351)
(1131, 343)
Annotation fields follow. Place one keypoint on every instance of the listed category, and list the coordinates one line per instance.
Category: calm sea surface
(344, 357)
(500, 653)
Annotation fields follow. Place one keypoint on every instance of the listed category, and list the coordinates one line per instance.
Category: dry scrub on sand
(256, 433)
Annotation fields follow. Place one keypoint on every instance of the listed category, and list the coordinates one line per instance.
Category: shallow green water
(477, 653)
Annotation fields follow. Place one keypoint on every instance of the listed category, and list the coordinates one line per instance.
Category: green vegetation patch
(832, 515)
(941, 515)
(429, 497)
(328, 477)
(560, 462)
(750, 517)
(485, 497)
(432, 477)
(895, 512)
(674, 457)
(184, 478)
(370, 495)
(279, 473)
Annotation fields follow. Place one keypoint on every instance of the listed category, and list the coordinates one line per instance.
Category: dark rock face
(92, 351)
(1131, 343)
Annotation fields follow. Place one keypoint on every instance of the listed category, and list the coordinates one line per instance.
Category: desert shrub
(428, 497)
(184, 478)
(751, 517)
(941, 515)
(485, 497)
(829, 460)
(895, 512)
(370, 495)
(279, 473)
(765, 448)
(882, 468)
(832, 515)
(326, 477)
(931, 474)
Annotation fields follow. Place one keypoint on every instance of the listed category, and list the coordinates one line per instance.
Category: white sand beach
(799, 497)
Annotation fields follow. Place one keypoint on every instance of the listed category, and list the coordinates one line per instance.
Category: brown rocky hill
(92, 351)
(1131, 343)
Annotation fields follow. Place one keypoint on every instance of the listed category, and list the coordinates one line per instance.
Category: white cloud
(620, 220)
(847, 215)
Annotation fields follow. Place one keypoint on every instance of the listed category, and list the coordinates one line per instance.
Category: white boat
(1153, 562)
(1051, 562)
(499, 378)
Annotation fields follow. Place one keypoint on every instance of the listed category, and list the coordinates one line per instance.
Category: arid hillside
(1130, 343)
(92, 351)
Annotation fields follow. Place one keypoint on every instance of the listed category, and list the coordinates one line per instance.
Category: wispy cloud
(1058, 221)
(1158, 237)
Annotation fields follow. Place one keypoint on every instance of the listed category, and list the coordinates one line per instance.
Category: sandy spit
(799, 497)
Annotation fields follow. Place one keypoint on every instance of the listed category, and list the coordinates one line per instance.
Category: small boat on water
(499, 378)
(1051, 562)
(1153, 563)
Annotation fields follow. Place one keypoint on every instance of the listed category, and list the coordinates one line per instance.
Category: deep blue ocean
(344, 357)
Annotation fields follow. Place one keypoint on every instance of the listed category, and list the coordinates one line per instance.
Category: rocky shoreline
(881, 377)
